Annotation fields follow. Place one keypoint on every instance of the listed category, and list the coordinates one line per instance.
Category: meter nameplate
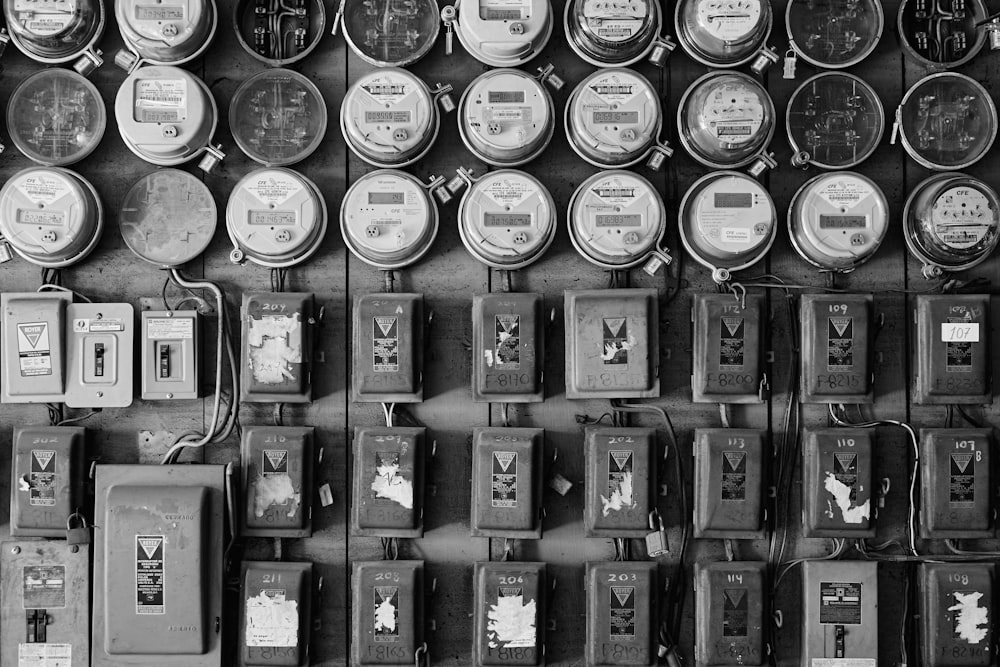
(952, 349)
(509, 614)
(277, 464)
(836, 348)
(840, 599)
(507, 482)
(388, 612)
(727, 342)
(99, 355)
(622, 602)
(47, 484)
(171, 360)
(620, 484)
(275, 614)
(388, 348)
(388, 496)
(729, 483)
(612, 343)
(507, 347)
(837, 477)
(956, 487)
(33, 335)
(956, 614)
(729, 614)
(277, 348)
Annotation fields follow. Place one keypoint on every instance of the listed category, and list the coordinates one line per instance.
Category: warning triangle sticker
(734, 459)
(504, 459)
(507, 322)
(43, 458)
(511, 592)
(150, 544)
(385, 592)
(735, 596)
(732, 324)
(385, 324)
(614, 324)
(840, 324)
(621, 457)
(276, 457)
(32, 333)
(961, 461)
(623, 593)
(845, 460)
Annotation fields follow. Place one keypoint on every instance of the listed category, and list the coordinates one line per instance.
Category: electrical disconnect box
(171, 359)
(727, 360)
(387, 617)
(158, 545)
(99, 355)
(612, 343)
(956, 614)
(388, 498)
(956, 490)
(45, 618)
(47, 484)
(507, 482)
(276, 614)
(509, 614)
(388, 348)
(277, 463)
(622, 603)
(620, 481)
(729, 614)
(729, 483)
(837, 477)
(837, 337)
(277, 347)
(33, 364)
(507, 347)
(952, 350)
(840, 613)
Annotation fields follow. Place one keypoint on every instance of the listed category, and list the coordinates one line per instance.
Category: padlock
(656, 541)
(79, 534)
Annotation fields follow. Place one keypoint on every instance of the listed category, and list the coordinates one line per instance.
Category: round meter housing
(728, 222)
(616, 219)
(506, 117)
(951, 222)
(279, 32)
(56, 117)
(388, 219)
(168, 218)
(613, 33)
(838, 220)
(723, 33)
(833, 34)
(941, 35)
(834, 120)
(507, 219)
(947, 121)
(392, 33)
(52, 217)
(55, 31)
(166, 32)
(502, 33)
(725, 119)
(278, 117)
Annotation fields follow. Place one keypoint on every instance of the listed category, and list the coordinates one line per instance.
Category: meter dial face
(167, 32)
(834, 34)
(723, 33)
(54, 31)
(616, 218)
(613, 117)
(503, 33)
(941, 35)
(947, 121)
(725, 119)
(278, 117)
(168, 217)
(280, 32)
(507, 219)
(392, 33)
(612, 32)
(56, 117)
(835, 120)
(506, 117)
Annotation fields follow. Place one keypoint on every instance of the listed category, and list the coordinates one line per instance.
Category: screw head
(15, 550)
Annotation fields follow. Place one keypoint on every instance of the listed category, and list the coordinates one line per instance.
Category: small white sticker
(959, 332)
(325, 495)
(841, 493)
(170, 328)
(44, 655)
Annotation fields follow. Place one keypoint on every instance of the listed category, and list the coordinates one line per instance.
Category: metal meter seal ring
(390, 34)
(728, 222)
(726, 33)
(614, 119)
(838, 220)
(831, 34)
(617, 33)
(279, 32)
(951, 222)
(170, 32)
(942, 36)
(390, 118)
(617, 220)
(57, 31)
(499, 33)
(167, 116)
(52, 217)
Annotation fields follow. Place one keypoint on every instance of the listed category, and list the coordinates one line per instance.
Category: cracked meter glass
(616, 32)
(56, 31)
(724, 33)
(941, 35)
(834, 33)
(392, 33)
(279, 32)
(169, 32)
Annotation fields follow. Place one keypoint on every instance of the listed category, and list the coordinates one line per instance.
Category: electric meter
(100, 349)
(390, 118)
(166, 116)
(728, 341)
(956, 491)
(620, 483)
(726, 120)
(275, 218)
(622, 606)
(837, 477)
(832, 34)
(729, 483)
(946, 121)
(834, 120)
(836, 348)
(276, 614)
(614, 119)
(940, 36)
(727, 222)
(510, 609)
(388, 613)
(277, 468)
(388, 352)
(956, 614)
(837, 221)
(56, 117)
(33, 335)
(730, 603)
(726, 33)
(57, 31)
(840, 613)
(391, 34)
(508, 347)
(48, 484)
(50, 216)
(388, 496)
(507, 482)
(171, 354)
(952, 352)
(168, 32)
(278, 117)
(168, 218)
(617, 33)
(951, 222)
(279, 33)
(277, 334)
(388, 219)
(499, 33)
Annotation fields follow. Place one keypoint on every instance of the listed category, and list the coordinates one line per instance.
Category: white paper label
(170, 328)
(272, 620)
(44, 655)
(959, 332)
(844, 662)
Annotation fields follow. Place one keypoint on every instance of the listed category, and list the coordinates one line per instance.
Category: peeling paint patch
(969, 616)
(612, 350)
(511, 622)
(385, 617)
(489, 358)
(842, 497)
(273, 490)
(274, 342)
(621, 498)
(272, 620)
(389, 484)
